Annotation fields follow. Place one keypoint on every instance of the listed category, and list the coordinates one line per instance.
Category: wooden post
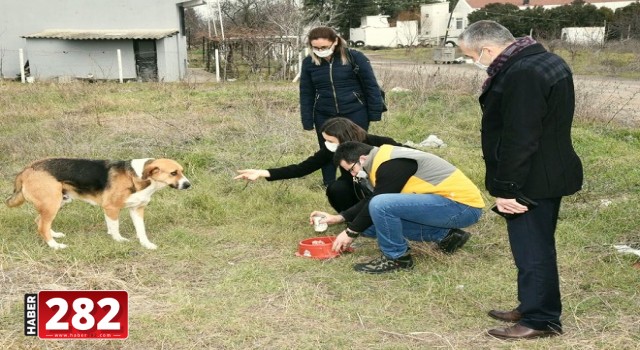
(21, 54)
(120, 67)
(217, 57)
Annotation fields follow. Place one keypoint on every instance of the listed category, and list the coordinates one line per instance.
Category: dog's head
(166, 171)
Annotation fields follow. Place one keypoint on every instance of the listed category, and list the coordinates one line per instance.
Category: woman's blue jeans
(398, 217)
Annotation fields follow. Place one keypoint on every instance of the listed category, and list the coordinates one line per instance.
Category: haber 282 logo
(77, 314)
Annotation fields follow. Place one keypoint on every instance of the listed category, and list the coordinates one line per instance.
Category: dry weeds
(225, 276)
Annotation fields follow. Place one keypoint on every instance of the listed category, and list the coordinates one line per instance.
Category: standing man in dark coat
(527, 110)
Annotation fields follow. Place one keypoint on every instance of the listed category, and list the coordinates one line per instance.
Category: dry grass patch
(225, 275)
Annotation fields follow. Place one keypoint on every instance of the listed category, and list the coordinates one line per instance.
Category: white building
(79, 38)
(459, 20)
(433, 23)
(375, 31)
(583, 35)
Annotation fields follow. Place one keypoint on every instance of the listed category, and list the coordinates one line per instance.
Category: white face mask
(324, 53)
(480, 65)
(331, 146)
(362, 174)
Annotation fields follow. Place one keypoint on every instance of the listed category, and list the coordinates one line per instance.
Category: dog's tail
(17, 198)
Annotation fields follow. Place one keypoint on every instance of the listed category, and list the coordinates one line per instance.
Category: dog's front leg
(137, 216)
(113, 224)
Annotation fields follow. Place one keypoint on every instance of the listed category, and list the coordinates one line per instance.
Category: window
(459, 23)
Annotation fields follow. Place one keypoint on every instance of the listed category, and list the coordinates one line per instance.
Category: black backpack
(356, 70)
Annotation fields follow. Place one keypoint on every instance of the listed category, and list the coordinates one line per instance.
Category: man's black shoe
(454, 240)
(384, 264)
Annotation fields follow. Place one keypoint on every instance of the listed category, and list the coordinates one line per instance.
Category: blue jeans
(398, 217)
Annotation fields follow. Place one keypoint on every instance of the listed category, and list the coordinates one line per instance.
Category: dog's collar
(138, 165)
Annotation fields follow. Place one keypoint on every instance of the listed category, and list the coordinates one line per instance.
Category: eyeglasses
(351, 168)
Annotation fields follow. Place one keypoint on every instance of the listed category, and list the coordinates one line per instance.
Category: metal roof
(107, 34)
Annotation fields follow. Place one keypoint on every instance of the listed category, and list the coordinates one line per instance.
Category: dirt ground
(199, 75)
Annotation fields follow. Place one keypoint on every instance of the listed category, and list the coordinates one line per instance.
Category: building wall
(18, 18)
(462, 10)
(374, 21)
(372, 36)
(434, 22)
(407, 33)
(172, 58)
(375, 31)
(583, 35)
(80, 58)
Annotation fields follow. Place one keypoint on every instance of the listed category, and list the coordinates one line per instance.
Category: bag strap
(355, 67)
(356, 70)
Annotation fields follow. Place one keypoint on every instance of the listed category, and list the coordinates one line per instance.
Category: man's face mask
(361, 174)
(478, 64)
(331, 146)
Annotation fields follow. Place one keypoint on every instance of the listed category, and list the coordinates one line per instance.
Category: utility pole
(212, 21)
(220, 19)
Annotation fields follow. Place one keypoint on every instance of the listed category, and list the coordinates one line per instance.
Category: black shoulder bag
(356, 70)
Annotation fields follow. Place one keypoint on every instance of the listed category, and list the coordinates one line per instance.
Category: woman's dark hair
(344, 130)
(322, 33)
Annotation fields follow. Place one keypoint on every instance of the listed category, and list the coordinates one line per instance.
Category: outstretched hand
(251, 174)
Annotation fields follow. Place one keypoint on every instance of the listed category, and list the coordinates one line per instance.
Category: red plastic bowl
(317, 248)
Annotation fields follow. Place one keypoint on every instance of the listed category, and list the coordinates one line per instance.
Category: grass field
(225, 275)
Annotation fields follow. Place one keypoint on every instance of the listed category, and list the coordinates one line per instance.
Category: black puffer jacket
(333, 89)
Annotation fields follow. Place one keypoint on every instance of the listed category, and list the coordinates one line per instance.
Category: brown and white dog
(113, 185)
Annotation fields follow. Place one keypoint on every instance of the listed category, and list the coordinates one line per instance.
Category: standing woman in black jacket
(329, 87)
(342, 193)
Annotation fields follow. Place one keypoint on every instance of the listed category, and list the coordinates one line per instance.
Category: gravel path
(611, 99)
(606, 98)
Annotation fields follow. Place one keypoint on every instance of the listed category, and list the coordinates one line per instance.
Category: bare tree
(262, 33)
(196, 26)
(322, 12)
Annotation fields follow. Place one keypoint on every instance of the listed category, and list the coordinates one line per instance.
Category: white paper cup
(317, 226)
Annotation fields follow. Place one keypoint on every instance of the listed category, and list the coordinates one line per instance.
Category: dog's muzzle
(183, 184)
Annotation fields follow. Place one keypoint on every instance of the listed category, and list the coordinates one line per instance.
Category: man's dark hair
(350, 152)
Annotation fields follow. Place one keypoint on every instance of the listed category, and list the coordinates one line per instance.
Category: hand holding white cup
(317, 225)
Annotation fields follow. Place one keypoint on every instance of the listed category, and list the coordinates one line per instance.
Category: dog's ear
(149, 170)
